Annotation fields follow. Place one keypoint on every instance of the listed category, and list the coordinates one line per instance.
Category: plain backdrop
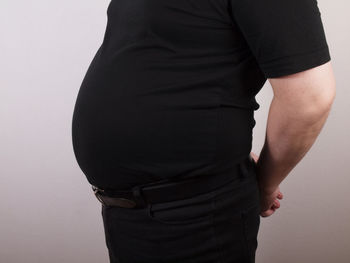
(48, 211)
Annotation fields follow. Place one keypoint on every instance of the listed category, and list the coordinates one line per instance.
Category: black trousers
(220, 226)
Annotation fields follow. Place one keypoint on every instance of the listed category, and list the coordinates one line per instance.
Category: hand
(269, 203)
(268, 200)
(255, 157)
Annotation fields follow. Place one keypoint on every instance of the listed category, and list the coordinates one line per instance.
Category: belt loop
(137, 193)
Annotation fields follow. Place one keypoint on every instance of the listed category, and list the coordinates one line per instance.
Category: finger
(276, 203)
(254, 157)
(274, 207)
(280, 195)
(267, 213)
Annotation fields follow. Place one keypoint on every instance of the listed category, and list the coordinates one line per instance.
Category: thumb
(254, 156)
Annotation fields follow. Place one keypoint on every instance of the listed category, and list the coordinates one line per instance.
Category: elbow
(309, 108)
(307, 96)
(319, 106)
(324, 101)
(325, 98)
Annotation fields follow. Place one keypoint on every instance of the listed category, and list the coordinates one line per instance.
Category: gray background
(48, 212)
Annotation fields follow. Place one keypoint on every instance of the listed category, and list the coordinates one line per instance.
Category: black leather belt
(166, 190)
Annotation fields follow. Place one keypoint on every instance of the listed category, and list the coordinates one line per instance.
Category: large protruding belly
(124, 134)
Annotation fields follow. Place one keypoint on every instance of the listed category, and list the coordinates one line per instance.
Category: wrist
(267, 190)
(264, 179)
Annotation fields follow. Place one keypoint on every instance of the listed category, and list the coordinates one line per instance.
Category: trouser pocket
(184, 211)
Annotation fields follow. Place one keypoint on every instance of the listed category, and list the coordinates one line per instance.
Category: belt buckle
(114, 201)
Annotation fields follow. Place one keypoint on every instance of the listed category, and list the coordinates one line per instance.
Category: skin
(297, 114)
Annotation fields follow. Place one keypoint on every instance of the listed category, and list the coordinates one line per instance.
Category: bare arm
(297, 113)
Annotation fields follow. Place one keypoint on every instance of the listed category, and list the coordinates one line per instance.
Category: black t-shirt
(171, 90)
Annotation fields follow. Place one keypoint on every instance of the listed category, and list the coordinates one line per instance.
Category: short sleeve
(285, 36)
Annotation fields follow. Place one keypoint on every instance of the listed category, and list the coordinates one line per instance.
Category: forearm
(290, 133)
